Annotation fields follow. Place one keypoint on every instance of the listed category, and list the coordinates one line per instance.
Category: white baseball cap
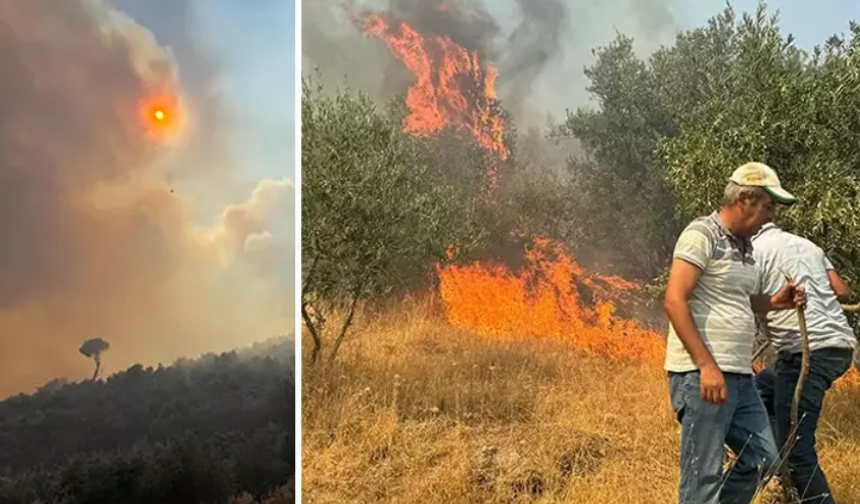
(762, 175)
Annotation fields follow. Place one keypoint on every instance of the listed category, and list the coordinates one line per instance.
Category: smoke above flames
(95, 239)
(538, 47)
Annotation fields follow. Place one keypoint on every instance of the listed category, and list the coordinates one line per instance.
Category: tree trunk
(355, 296)
(314, 330)
(314, 334)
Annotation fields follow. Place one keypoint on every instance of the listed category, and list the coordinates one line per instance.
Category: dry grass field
(426, 405)
(419, 412)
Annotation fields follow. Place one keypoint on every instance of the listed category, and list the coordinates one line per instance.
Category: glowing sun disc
(160, 117)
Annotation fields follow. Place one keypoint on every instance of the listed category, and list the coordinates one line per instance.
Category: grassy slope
(419, 412)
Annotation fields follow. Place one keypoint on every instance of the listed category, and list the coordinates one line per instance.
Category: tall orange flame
(543, 301)
(437, 99)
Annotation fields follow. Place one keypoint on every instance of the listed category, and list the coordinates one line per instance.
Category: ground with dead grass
(416, 411)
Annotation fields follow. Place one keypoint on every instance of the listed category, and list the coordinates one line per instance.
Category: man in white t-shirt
(710, 299)
(831, 344)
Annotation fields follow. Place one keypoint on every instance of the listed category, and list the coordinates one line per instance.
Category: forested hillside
(199, 431)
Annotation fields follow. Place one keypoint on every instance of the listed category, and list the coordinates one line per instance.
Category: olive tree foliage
(533, 197)
(667, 131)
(514, 200)
(624, 206)
(758, 97)
(376, 217)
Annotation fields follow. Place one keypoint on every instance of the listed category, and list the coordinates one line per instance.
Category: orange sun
(160, 117)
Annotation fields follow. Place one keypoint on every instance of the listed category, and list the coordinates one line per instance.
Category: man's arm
(843, 292)
(762, 303)
(788, 294)
(683, 278)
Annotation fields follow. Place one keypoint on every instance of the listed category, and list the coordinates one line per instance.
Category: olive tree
(375, 217)
(624, 206)
(798, 112)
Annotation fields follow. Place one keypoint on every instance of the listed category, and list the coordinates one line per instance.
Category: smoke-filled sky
(255, 41)
(540, 46)
(165, 241)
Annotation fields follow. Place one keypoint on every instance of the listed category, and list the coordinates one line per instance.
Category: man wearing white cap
(711, 297)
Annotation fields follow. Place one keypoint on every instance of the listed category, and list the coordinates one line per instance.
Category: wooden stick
(798, 391)
(804, 367)
(760, 351)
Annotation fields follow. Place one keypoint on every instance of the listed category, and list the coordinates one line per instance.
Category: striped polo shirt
(720, 302)
(826, 324)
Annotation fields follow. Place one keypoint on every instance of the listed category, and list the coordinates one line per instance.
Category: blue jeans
(741, 423)
(776, 384)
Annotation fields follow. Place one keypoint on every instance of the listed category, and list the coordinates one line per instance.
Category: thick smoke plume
(172, 23)
(93, 240)
(532, 45)
(539, 46)
(203, 157)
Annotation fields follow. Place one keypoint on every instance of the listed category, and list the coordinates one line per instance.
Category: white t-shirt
(826, 324)
(720, 302)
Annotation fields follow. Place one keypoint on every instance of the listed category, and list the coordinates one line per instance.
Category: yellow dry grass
(416, 411)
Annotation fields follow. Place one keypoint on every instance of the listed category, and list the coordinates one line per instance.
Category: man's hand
(713, 386)
(790, 296)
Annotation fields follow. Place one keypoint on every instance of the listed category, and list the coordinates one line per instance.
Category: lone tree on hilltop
(93, 348)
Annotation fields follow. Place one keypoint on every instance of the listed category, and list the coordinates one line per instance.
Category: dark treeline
(219, 429)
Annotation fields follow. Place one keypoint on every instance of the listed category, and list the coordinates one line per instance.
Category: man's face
(756, 213)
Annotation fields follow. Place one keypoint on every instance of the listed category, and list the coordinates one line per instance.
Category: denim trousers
(776, 385)
(741, 423)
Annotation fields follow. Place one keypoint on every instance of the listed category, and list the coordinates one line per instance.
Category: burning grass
(418, 411)
(520, 386)
(545, 300)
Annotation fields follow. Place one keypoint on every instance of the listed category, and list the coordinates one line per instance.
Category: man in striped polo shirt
(712, 293)
(831, 344)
